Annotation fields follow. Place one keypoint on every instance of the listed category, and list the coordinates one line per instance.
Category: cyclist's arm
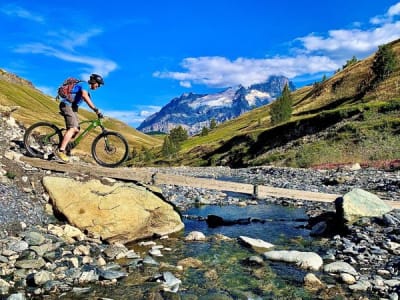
(86, 98)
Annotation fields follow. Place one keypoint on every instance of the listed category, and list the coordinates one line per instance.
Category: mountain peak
(194, 111)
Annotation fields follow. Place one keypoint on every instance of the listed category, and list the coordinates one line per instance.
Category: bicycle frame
(93, 124)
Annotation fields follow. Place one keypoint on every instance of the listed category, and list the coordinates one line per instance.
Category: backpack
(64, 91)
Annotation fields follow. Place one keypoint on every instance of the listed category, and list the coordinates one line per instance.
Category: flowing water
(224, 272)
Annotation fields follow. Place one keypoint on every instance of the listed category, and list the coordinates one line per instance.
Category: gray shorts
(70, 114)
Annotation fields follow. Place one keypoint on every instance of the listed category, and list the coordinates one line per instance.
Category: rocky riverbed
(42, 257)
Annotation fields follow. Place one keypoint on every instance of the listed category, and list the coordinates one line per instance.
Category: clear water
(223, 273)
(279, 221)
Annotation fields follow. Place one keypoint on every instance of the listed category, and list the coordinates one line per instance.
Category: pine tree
(384, 63)
(178, 134)
(204, 131)
(213, 123)
(169, 148)
(281, 109)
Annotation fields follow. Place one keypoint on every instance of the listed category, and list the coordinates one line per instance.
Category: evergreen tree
(147, 154)
(213, 123)
(166, 147)
(281, 109)
(350, 62)
(204, 131)
(178, 134)
(384, 63)
(169, 147)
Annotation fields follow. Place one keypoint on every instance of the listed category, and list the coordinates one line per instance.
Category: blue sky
(152, 51)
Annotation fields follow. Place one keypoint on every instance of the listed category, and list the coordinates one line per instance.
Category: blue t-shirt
(77, 95)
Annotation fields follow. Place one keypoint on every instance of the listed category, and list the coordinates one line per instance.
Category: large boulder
(121, 212)
(359, 203)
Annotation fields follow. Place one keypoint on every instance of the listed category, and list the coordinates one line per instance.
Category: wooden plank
(132, 174)
(145, 176)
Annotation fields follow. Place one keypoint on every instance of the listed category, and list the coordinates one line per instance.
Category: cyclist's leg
(71, 123)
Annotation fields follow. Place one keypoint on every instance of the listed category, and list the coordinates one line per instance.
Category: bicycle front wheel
(41, 139)
(110, 149)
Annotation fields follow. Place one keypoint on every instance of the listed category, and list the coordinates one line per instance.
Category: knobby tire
(42, 139)
(111, 154)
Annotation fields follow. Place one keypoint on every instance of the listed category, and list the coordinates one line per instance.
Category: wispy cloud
(19, 12)
(66, 45)
(96, 65)
(312, 54)
(135, 116)
(70, 40)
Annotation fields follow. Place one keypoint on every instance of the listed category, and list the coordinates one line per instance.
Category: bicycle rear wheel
(110, 149)
(41, 139)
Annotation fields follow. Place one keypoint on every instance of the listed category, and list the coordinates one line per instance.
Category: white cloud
(185, 84)
(218, 71)
(135, 116)
(313, 54)
(95, 65)
(47, 90)
(62, 44)
(17, 11)
(394, 10)
(72, 39)
(357, 41)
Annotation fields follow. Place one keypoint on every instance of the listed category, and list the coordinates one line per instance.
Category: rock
(190, 262)
(123, 212)
(256, 243)
(362, 285)
(340, 267)
(359, 203)
(111, 274)
(42, 277)
(17, 296)
(195, 236)
(312, 282)
(73, 232)
(30, 263)
(18, 246)
(171, 283)
(34, 238)
(254, 261)
(347, 278)
(305, 260)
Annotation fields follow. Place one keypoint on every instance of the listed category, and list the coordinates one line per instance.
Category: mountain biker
(69, 110)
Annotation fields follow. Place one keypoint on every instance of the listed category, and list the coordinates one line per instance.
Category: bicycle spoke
(41, 139)
(110, 149)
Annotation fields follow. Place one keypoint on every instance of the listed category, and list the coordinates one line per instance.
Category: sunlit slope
(34, 106)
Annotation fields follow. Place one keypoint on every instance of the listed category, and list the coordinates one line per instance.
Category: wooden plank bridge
(146, 176)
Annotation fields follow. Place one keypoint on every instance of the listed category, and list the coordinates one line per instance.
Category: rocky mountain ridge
(194, 111)
(10, 77)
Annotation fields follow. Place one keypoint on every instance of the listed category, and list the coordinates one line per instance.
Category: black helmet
(96, 78)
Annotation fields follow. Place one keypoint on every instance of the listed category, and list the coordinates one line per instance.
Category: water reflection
(279, 221)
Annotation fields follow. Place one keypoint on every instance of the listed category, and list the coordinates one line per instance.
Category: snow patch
(215, 100)
(256, 94)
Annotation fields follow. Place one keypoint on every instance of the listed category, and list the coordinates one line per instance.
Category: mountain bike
(109, 148)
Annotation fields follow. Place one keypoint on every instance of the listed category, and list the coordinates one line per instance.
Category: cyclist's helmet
(96, 78)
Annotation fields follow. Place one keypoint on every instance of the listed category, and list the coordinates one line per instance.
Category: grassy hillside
(345, 118)
(35, 106)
